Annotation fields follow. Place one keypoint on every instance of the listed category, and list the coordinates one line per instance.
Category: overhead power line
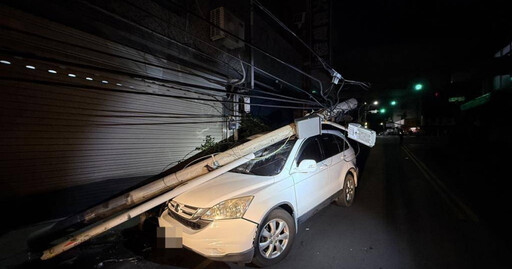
(146, 29)
(157, 81)
(153, 65)
(41, 82)
(336, 77)
(214, 47)
(249, 44)
(320, 59)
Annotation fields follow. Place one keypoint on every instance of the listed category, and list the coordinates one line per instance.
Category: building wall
(502, 80)
(61, 131)
(71, 141)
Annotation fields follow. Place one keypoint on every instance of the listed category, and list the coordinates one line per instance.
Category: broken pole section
(171, 181)
(111, 223)
(166, 183)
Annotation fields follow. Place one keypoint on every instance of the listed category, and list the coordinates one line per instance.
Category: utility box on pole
(308, 126)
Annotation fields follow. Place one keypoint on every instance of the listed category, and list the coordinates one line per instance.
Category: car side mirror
(306, 166)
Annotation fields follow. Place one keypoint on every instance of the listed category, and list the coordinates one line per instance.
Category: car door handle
(323, 165)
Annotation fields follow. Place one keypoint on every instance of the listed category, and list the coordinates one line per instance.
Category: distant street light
(418, 87)
(375, 103)
(382, 110)
(393, 103)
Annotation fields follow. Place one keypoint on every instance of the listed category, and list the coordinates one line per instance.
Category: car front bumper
(222, 240)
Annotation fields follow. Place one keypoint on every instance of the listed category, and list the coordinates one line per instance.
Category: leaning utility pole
(104, 226)
(161, 190)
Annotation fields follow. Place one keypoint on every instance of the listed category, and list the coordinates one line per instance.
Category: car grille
(184, 214)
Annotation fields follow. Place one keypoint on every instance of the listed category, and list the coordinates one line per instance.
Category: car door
(310, 187)
(333, 155)
(346, 156)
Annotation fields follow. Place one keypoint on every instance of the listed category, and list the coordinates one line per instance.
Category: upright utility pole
(251, 38)
(236, 113)
(236, 97)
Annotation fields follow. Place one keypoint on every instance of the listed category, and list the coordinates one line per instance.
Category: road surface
(406, 215)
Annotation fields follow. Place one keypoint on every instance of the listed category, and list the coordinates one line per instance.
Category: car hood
(226, 186)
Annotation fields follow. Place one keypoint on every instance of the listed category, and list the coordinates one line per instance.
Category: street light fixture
(418, 87)
(382, 110)
(375, 103)
(393, 103)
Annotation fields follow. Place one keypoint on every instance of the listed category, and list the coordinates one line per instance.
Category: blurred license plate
(169, 237)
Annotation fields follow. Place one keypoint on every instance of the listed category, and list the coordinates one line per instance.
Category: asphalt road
(406, 215)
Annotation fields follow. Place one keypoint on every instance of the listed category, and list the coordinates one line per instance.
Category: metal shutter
(58, 136)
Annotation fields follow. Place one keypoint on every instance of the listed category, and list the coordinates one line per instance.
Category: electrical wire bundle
(203, 95)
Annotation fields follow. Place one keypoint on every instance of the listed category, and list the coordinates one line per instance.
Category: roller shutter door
(81, 125)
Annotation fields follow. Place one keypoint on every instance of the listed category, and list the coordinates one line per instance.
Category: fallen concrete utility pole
(166, 183)
(102, 227)
(159, 186)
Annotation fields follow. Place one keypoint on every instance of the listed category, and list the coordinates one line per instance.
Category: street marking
(462, 210)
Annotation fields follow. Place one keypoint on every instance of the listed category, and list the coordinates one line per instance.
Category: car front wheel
(274, 239)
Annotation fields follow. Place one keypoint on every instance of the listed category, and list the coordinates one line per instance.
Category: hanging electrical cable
(139, 92)
(120, 55)
(217, 49)
(153, 80)
(336, 77)
(316, 101)
(249, 44)
(146, 29)
(171, 69)
(320, 59)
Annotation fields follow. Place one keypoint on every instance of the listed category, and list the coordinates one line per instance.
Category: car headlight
(229, 209)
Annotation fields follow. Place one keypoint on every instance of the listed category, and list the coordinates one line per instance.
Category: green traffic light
(382, 110)
(393, 103)
(418, 87)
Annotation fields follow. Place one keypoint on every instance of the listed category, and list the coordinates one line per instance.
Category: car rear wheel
(346, 197)
(274, 239)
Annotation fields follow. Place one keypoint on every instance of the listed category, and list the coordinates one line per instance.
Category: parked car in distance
(251, 213)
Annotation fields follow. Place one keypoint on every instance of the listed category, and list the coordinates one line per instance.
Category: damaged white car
(251, 213)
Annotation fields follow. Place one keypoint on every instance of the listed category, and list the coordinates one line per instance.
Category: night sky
(391, 42)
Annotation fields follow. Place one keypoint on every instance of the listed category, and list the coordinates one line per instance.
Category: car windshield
(268, 161)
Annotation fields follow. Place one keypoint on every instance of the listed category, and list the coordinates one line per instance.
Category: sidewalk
(95, 253)
(13, 244)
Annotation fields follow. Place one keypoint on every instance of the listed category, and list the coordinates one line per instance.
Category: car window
(329, 145)
(342, 143)
(269, 161)
(310, 151)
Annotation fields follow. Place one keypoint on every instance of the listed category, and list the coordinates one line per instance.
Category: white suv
(251, 213)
